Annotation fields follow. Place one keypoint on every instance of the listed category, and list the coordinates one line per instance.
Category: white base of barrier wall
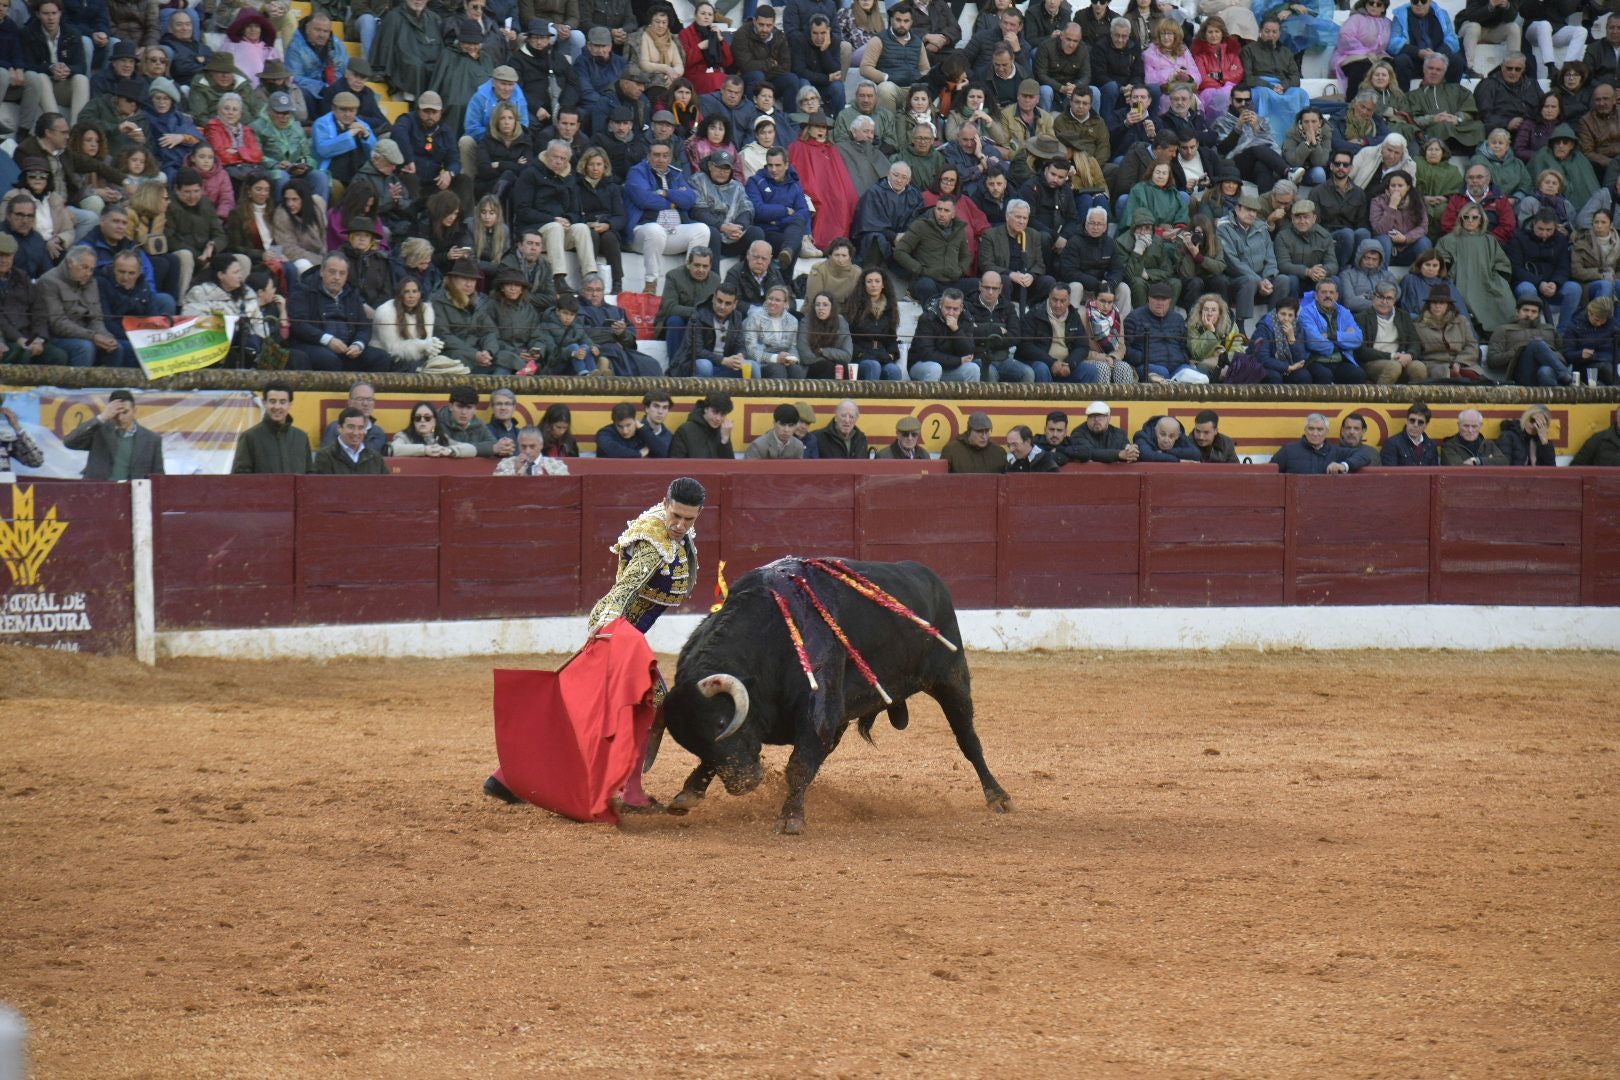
(1476, 628)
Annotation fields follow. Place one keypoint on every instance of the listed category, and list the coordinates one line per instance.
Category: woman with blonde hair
(602, 209)
(1480, 267)
(148, 218)
(1213, 337)
(1528, 440)
(1167, 61)
(491, 239)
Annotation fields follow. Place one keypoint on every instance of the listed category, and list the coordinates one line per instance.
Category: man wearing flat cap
(431, 161)
(629, 91)
(598, 71)
(972, 452)
(1251, 259)
(355, 80)
(908, 444)
(342, 141)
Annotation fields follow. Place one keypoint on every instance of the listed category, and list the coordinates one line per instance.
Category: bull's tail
(899, 717)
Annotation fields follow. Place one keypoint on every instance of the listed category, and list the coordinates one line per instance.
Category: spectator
(459, 421)
(120, 449)
(1162, 440)
(502, 423)
(273, 445)
(1447, 338)
(531, 459)
(1413, 446)
(873, 315)
(1478, 191)
(15, 443)
(609, 327)
(1213, 339)
(996, 326)
(24, 325)
(934, 252)
(1358, 283)
(1400, 221)
(842, 438)
(823, 344)
(943, 346)
(58, 56)
(896, 58)
(1528, 440)
(707, 431)
(1312, 454)
(362, 396)
(907, 445)
(1342, 207)
(1331, 337)
(1540, 258)
(778, 443)
(714, 342)
(1251, 258)
(1469, 446)
(722, 205)
(662, 203)
(1602, 448)
(1390, 345)
(349, 455)
(1017, 254)
(1589, 343)
(884, 213)
(1279, 345)
(426, 438)
(655, 405)
(686, 288)
(331, 331)
(1526, 350)
(1054, 343)
(519, 350)
(770, 338)
(73, 310)
(1212, 445)
(1025, 455)
(567, 342)
(623, 438)
(971, 451)
(1305, 251)
(342, 142)
(837, 274)
(754, 277)
(1156, 340)
(224, 290)
(1096, 440)
(1481, 268)
(462, 322)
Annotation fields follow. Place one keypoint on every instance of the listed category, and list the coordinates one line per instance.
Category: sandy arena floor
(1287, 865)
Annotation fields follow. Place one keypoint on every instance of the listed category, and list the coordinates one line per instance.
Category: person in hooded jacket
(723, 205)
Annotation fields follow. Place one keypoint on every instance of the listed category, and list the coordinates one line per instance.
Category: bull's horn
(733, 688)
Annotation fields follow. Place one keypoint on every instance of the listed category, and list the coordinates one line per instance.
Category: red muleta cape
(569, 740)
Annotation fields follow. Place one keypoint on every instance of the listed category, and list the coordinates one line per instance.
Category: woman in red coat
(826, 181)
(708, 56)
(234, 143)
(1220, 66)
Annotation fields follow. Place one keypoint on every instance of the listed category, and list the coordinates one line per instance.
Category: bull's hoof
(622, 808)
(999, 801)
(790, 824)
(686, 800)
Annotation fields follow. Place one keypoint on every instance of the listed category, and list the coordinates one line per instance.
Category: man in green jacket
(1602, 448)
(972, 451)
(934, 253)
(273, 445)
(193, 222)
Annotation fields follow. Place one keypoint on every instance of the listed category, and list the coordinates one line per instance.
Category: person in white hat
(1099, 440)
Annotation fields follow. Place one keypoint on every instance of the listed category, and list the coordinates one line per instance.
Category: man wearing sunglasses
(1413, 446)
(1423, 29)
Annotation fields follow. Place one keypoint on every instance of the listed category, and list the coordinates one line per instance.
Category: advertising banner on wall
(199, 428)
(66, 550)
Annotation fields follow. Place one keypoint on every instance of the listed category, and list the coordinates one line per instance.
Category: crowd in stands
(1076, 194)
(355, 443)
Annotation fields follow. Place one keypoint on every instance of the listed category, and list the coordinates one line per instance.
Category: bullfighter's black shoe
(497, 790)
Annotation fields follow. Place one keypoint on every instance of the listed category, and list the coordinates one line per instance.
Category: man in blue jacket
(330, 330)
(780, 208)
(1331, 335)
(598, 70)
(1313, 455)
(660, 208)
(1423, 28)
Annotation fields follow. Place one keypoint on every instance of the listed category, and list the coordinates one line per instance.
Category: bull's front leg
(692, 792)
(802, 767)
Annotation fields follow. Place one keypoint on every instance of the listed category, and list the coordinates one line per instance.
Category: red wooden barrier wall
(255, 551)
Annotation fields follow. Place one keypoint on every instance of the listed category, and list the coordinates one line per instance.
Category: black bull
(747, 642)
